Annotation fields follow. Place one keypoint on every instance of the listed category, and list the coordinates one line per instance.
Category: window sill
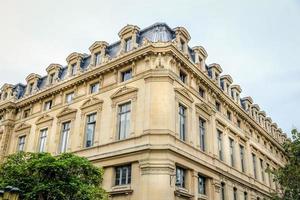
(183, 192)
(121, 190)
(202, 197)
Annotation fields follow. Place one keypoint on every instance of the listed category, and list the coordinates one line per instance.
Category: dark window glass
(201, 185)
(182, 122)
(123, 175)
(126, 75)
(182, 76)
(90, 130)
(180, 177)
(124, 120)
(202, 124)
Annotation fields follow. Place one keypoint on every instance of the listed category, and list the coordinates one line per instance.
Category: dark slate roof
(154, 33)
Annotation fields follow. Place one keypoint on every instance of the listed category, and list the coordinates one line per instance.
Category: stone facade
(149, 110)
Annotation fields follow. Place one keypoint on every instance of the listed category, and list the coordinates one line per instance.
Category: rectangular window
(234, 194)
(69, 97)
(48, 105)
(64, 136)
(218, 106)
(182, 122)
(126, 75)
(181, 45)
(182, 76)
(222, 191)
(128, 44)
(220, 144)
(26, 113)
(123, 175)
(242, 155)
(124, 120)
(269, 176)
(73, 69)
(239, 123)
(90, 130)
(254, 165)
(231, 145)
(262, 170)
(201, 185)
(43, 138)
(201, 92)
(229, 115)
(180, 177)
(94, 88)
(21, 144)
(202, 124)
(97, 58)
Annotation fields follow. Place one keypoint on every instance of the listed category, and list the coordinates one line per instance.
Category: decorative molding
(66, 111)
(183, 92)
(123, 91)
(22, 126)
(43, 118)
(91, 102)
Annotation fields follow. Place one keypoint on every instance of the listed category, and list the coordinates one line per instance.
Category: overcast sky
(257, 42)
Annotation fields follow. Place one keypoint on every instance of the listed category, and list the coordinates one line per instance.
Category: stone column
(216, 189)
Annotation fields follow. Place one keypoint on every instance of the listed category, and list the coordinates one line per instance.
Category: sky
(257, 42)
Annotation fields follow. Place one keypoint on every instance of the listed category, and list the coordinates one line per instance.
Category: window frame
(62, 132)
(128, 175)
(93, 123)
(182, 120)
(43, 133)
(125, 113)
(180, 177)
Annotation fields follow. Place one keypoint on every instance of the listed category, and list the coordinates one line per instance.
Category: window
(242, 155)
(254, 165)
(262, 170)
(90, 130)
(21, 144)
(73, 69)
(201, 185)
(234, 193)
(128, 44)
(182, 122)
(180, 177)
(222, 191)
(123, 175)
(239, 123)
(218, 106)
(94, 88)
(202, 124)
(1, 118)
(97, 58)
(30, 88)
(201, 92)
(48, 105)
(43, 137)
(69, 97)
(124, 120)
(231, 145)
(64, 137)
(126, 75)
(26, 113)
(220, 145)
(245, 196)
(269, 176)
(182, 76)
(229, 115)
(51, 78)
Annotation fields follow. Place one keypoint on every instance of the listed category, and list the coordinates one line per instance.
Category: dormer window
(51, 78)
(182, 76)
(128, 44)
(126, 75)
(4, 95)
(73, 69)
(30, 88)
(97, 58)
(48, 105)
(201, 92)
(181, 46)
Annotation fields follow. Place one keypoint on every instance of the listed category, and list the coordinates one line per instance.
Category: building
(164, 124)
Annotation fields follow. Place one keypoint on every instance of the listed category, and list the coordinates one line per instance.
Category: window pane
(124, 120)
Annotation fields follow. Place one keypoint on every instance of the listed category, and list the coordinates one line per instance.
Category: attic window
(128, 45)
(229, 115)
(51, 78)
(73, 69)
(181, 45)
(98, 58)
(30, 88)
(201, 92)
(26, 113)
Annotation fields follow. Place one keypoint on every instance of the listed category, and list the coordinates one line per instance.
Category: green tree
(288, 177)
(45, 177)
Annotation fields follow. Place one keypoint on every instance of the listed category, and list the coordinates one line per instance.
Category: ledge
(120, 190)
(182, 192)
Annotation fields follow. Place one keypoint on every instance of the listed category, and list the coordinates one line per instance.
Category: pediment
(98, 44)
(73, 56)
(66, 111)
(53, 67)
(91, 102)
(205, 108)
(123, 91)
(43, 119)
(183, 92)
(22, 126)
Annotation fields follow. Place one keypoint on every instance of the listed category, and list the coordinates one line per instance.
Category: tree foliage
(45, 177)
(288, 177)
